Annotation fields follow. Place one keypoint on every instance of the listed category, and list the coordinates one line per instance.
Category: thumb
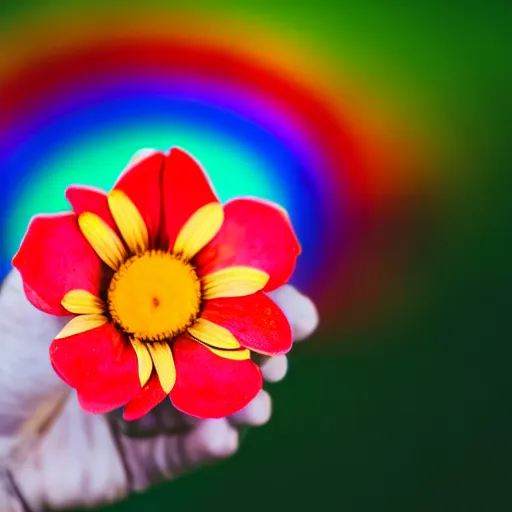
(30, 391)
(29, 388)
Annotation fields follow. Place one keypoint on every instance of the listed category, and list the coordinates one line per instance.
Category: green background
(413, 411)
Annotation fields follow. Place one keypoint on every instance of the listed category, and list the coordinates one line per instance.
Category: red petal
(150, 396)
(142, 183)
(86, 199)
(101, 365)
(256, 322)
(55, 258)
(186, 189)
(209, 386)
(255, 234)
(93, 406)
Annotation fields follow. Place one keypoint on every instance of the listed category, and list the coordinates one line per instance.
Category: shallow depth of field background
(384, 128)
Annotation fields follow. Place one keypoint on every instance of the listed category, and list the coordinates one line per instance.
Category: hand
(54, 455)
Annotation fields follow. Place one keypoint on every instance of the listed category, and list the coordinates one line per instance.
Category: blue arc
(31, 141)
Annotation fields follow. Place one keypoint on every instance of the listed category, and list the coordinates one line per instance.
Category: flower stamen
(154, 296)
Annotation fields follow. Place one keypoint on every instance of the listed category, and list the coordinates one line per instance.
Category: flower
(167, 287)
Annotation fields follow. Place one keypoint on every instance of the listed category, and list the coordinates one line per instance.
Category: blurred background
(384, 129)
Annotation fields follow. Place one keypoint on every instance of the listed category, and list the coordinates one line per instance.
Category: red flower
(167, 287)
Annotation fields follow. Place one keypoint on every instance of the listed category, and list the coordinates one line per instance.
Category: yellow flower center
(154, 296)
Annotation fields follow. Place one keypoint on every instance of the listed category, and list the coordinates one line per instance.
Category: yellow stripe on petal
(164, 364)
(81, 302)
(241, 354)
(129, 221)
(81, 324)
(213, 335)
(233, 282)
(199, 230)
(144, 360)
(103, 239)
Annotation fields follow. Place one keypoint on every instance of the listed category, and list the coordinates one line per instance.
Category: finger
(210, 441)
(163, 419)
(255, 414)
(30, 388)
(75, 464)
(299, 309)
(153, 460)
(274, 369)
(20, 319)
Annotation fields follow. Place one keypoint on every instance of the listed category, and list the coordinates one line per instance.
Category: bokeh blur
(383, 128)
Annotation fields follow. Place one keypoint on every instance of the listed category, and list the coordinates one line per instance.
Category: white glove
(53, 455)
